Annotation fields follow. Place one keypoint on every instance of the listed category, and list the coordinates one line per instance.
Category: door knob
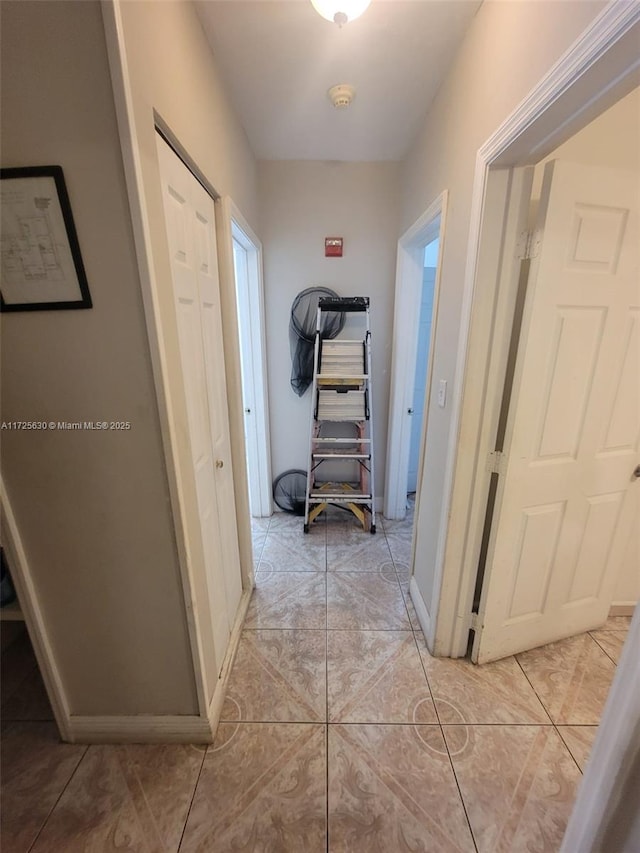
(219, 463)
(636, 472)
(409, 411)
(248, 411)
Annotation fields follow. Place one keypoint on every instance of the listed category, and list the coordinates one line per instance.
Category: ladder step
(335, 489)
(340, 454)
(354, 498)
(333, 406)
(344, 377)
(343, 303)
(343, 384)
(343, 440)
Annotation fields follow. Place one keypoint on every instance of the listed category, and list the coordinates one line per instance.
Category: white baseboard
(140, 729)
(217, 700)
(147, 728)
(421, 610)
(622, 608)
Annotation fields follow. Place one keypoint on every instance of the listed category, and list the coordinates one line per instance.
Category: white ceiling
(279, 57)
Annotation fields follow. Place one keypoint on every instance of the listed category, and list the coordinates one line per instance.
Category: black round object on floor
(290, 491)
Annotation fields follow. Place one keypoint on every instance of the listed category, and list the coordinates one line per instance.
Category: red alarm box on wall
(333, 247)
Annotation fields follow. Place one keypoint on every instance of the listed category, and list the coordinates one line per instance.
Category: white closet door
(190, 221)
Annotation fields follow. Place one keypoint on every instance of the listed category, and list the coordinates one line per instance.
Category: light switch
(442, 393)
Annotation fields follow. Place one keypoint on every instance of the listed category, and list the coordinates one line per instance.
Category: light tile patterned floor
(339, 732)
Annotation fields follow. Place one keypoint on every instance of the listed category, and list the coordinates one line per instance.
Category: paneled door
(567, 506)
(190, 221)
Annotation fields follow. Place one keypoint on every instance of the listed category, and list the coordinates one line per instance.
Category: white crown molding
(603, 32)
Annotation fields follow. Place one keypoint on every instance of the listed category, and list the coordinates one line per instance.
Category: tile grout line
(55, 805)
(531, 685)
(326, 687)
(566, 746)
(552, 721)
(549, 724)
(600, 646)
(366, 722)
(455, 777)
(446, 746)
(193, 796)
(409, 630)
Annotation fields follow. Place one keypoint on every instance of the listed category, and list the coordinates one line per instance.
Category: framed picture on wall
(42, 267)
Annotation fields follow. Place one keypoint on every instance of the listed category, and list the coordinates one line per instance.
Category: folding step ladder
(341, 420)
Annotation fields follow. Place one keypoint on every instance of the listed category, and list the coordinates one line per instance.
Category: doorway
(422, 361)
(498, 282)
(414, 329)
(247, 266)
(565, 501)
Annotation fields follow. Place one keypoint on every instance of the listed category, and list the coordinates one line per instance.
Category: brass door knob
(219, 463)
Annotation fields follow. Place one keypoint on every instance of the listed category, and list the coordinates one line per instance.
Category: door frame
(599, 69)
(406, 319)
(258, 475)
(153, 264)
(33, 616)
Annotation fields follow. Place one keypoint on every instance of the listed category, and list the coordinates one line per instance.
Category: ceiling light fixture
(340, 11)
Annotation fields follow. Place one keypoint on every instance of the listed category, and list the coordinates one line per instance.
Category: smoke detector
(341, 95)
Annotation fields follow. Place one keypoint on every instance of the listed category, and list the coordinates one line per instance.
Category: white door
(420, 381)
(240, 263)
(566, 508)
(190, 221)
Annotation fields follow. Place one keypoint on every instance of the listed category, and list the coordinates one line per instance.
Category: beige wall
(612, 139)
(92, 507)
(301, 204)
(172, 71)
(508, 48)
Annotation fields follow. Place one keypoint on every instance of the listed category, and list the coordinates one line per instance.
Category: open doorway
(571, 677)
(415, 321)
(247, 265)
(425, 322)
(497, 284)
(562, 526)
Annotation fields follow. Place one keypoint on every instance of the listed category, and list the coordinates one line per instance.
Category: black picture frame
(39, 243)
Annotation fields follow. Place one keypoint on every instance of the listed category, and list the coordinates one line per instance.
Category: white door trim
(238, 228)
(123, 99)
(574, 90)
(33, 616)
(408, 293)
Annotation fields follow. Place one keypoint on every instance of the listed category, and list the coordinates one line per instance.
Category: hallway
(336, 714)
